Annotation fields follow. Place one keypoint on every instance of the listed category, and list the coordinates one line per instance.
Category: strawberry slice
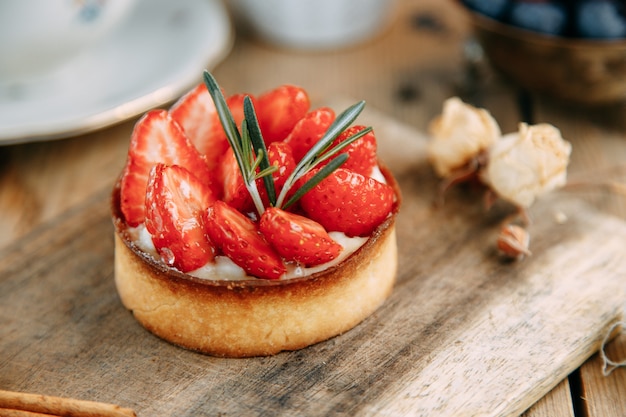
(348, 202)
(279, 110)
(197, 115)
(195, 112)
(235, 192)
(281, 156)
(156, 138)
(239, 239)
(175, 204)
(297, 238)
(309, 130)
(361, 153)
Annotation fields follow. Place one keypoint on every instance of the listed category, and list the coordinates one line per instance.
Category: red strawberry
(175, 204)
(195, 112)
(280, 155)
(197, 115)
(361, 153)
(234, 191)
(297, 238)
(348, 202)
(309, 130)
(156, 138)
(279, 110)
(239, 239)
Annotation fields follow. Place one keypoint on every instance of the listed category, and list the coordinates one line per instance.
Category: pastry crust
(254, 317)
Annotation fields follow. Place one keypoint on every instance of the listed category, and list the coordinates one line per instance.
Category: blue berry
(601, 19)
(545, 17)
(491, 8)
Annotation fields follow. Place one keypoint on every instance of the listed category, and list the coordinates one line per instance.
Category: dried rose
(528, 163)
(459, 135)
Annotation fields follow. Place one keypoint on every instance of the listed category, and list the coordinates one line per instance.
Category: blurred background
(522, 60)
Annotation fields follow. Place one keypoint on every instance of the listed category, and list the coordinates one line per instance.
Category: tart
(230, 270)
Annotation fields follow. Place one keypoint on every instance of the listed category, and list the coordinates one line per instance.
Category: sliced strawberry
(195, 112)
(309, 130)
(361, 153)
(234, 191)
(156, 138)
(197, 115)
(279, 110)
(297, 238)
(175, 204)
(239, 239)
(281, 156)
(348, 202)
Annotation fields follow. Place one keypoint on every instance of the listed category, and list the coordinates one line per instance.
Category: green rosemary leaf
(249, 167)
(267, 171)
(244, 152)
(227, 121)
(339, 147)
(319, 176)
(258, 145)
(241, 143)
(226, 118)
(311, 158)
(341, 123)
(254, 162)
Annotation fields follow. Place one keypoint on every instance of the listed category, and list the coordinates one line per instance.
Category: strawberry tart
(246, 226)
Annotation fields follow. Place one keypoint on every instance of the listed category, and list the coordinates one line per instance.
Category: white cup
(38, 37)
(315, 24)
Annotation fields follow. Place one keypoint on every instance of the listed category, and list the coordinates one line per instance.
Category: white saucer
(157, 55)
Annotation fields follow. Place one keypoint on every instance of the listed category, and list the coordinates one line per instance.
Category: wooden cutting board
(464, 333)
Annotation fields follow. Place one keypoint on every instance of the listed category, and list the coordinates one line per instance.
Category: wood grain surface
(463, 334)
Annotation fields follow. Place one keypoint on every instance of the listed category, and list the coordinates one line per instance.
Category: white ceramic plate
(156, 56)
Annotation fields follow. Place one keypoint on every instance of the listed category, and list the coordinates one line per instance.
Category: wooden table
(406, 73)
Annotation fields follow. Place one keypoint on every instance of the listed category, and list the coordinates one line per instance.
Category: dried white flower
(459, 135)
(525, 164)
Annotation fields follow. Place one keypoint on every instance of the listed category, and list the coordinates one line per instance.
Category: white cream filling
(222, 268)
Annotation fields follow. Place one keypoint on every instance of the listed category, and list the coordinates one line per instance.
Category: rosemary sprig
(323, 151)
(251, 153)
(248, 157)
(259, 144)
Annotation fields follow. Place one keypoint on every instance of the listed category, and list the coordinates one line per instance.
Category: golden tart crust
(254, 317)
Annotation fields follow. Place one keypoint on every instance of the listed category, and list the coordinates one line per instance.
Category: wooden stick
(56, 406)
(5, 412)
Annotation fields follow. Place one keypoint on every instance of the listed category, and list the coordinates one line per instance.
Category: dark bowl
(590, 72)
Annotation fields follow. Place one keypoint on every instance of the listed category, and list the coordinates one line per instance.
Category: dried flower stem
(463, 174)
